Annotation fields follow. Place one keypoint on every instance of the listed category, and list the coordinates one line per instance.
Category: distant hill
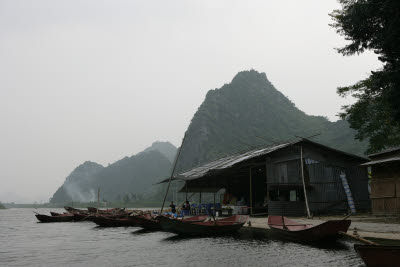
(127, 179)
(165, 148)
(235, 116)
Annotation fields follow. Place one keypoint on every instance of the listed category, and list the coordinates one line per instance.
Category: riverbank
(365, 226)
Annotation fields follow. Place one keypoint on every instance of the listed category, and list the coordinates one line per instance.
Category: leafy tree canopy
(373, 25)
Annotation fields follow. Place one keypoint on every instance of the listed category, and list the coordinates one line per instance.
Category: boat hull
(382, 256)
(47, 219)
(326, 231)
(114, 222)
(220, 227)
(168, 224)
(147, 222)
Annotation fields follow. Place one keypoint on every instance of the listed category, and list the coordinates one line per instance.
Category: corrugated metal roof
(227, 162)
(392, 149)
(381, 161)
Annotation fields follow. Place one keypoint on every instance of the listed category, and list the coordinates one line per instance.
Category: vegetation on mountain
(2, 206)
(128, 180)
(250, 112)
(373, 25)
(165, 148)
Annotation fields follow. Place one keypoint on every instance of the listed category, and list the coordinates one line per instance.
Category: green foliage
(373, 25)
(2, 206)
(234, 117)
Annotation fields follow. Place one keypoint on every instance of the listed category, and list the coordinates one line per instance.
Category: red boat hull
(307, 233)
(219, 227)
(382, 256)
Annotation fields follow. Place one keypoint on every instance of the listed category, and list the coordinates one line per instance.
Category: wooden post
(214, 211)
(98, 200)
(266, 185)
(186, 190)
(200, 202)
(172, 173)
(251, 195)
(304, 183)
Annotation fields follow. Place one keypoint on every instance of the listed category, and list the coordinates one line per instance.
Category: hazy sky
(100, 80)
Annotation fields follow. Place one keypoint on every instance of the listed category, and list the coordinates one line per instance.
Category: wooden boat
(169, 223)
(104, 221)
(382, 256)
(288, 229)
(219, 227)
(83, 216)
(71, 209)
(147, 221)
(55, 213)
(61, 218)
(92, 209)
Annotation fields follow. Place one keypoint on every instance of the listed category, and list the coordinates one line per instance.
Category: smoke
(76, 193)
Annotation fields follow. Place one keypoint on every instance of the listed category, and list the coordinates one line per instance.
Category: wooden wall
(385, 189)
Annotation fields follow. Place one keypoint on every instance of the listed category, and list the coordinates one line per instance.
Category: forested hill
(237, 114)
(130, 178)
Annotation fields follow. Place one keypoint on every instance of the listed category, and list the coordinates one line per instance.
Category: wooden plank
(390, 205)
(378, 206)
(383, 188)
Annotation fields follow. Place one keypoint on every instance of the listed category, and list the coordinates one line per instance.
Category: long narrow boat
(104, 221)
(218, 227)
(288, 229)
(78, 217)
(92, 209)
(71, 209)
(60, 218)
(169, 223)
(147, 222)
(382, 256)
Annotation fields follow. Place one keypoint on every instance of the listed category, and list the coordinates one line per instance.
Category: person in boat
(186, 206)
(172, 206)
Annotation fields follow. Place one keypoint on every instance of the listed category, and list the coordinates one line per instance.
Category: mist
(98, 81)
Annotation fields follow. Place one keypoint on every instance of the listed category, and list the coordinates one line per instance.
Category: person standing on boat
(172, 206)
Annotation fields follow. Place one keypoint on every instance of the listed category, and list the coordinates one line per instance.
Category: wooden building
(385, 182)
(282, 179)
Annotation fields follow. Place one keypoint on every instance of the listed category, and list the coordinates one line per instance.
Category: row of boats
(196, 225)
(203, 225)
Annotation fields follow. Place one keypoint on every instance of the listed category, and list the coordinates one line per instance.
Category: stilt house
(282, 179)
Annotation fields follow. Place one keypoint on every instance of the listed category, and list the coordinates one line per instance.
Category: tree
(373, 25)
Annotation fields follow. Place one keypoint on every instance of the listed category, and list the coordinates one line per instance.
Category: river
(25, 242)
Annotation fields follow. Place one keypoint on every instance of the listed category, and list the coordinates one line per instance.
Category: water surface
(25, 242)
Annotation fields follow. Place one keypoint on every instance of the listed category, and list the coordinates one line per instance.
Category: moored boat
(376, 255)
(206, 228)
(60, 218)
(71, 209)
(288, 229)
(92, 209)
(169, 223)
(147, 221)
(104, 221)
